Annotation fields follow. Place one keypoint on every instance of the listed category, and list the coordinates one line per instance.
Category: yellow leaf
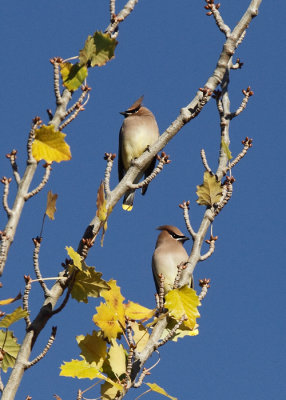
(76, 258)
(210, 191)
(81, 369)
(10, 349)
(183, 301)
(51, 205)
(50, 145)
(101, 203)
(114, 299)
(107, 320)
(87, 283)
(93, 348)
(117, 358)
(15, 316)
(140, 335)
(156, 388)
(226, 149)
(109, 391)
(138, 312)
(11, 300)
(73, 75)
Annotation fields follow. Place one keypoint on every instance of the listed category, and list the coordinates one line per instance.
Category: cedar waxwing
(169, 253)
(138, 131)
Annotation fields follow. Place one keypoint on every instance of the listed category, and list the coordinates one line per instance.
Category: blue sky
(165, 52)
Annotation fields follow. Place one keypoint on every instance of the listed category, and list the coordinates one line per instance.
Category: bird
(139, 130)
(168, 254)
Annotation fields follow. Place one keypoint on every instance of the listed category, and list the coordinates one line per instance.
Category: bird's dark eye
(175, 236)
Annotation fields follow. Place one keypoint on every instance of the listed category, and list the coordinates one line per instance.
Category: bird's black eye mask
(133, 110)
(177, 237)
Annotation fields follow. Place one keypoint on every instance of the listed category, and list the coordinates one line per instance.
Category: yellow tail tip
(127, 207)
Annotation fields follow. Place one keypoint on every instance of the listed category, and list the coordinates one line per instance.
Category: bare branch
(6, 182)
(37, 243)
(110, 158)
(48, 168)
(46, 349)
(205, 285)
(112, 10)
(227, 193)
(223, 27)
(56, 61)
(163, 159)
(205, 162)
(247, 93)
(25, 299)
(185, 207)
(211, 250)
(112, 28)
(12, 157)
(172, 332)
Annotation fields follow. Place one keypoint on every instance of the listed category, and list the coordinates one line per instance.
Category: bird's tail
(128, 200)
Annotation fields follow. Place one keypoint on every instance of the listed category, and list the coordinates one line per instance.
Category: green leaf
(225, 148)
(10, 349)
(210, 191)
(73, 75)
(98, 50)
(88, 283)
(15, 316)
(89, 50)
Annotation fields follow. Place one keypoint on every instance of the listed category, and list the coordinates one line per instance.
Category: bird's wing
(120, 162)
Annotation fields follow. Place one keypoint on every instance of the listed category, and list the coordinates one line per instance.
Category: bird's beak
(124, 113)
(184, 239)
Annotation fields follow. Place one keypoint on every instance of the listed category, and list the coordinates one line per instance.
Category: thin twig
(205, 285)
(25, 299)
(6, 182)
(223, 27)
(227, 195)
(205, 162)
(185, 207)
(247, 93)
(164, 159)
(85, 89)
(110, 158)
(78, 109)
(12, 157)
(37, 244)
(172, 332)
(112, 10)
(48, 168)
(46, 349)
(211, 250)
(112, 29)
(180, 268)
(56, 61)
(36, 122)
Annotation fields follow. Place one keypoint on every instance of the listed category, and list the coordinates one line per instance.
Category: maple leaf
(210, 191)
